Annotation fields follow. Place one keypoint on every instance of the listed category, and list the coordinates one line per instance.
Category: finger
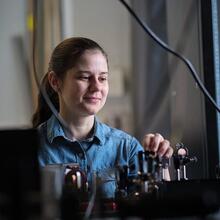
(147, 141)
(169, 152)
(163, 148)
(155, 143)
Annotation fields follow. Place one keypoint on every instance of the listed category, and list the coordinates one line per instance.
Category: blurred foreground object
(20, 188)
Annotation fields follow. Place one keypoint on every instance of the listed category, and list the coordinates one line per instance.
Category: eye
(84, 78)
(103, 78)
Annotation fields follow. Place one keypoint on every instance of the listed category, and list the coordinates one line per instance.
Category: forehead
(92, 57)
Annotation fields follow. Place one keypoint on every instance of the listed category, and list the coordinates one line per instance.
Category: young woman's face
(84, 89)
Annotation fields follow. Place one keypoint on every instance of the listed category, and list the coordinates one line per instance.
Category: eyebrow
(89, 72)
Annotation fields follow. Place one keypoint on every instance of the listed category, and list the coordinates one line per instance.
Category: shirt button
(81, 155)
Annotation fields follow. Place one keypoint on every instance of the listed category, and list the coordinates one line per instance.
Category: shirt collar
(98, 131)
(54, 130)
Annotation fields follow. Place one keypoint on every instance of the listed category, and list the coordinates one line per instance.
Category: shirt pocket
(106, 183)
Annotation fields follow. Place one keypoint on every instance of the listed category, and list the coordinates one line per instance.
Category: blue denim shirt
(107, 149)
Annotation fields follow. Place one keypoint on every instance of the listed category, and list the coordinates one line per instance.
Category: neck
(79, 128)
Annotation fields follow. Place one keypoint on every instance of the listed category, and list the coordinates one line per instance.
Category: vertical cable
(41, 87)
(215, 23)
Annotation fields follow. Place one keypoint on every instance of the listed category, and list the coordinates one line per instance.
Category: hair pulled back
(64, 57)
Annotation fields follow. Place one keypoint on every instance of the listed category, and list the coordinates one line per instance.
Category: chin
(91, 111)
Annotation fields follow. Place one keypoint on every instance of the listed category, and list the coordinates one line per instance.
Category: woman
(77, 83)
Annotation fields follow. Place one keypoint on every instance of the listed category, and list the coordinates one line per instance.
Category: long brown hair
(64, 57)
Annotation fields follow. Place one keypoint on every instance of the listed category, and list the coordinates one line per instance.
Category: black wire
(167, 48)
(147, 30)
(35, 5)
(41, 87)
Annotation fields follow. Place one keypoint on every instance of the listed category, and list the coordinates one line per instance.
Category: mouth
(92, 99)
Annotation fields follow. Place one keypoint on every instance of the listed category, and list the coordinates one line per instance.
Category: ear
(54, 81)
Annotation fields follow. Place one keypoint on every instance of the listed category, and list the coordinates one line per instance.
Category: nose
(95, 84)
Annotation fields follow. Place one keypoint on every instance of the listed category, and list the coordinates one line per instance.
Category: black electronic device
(20, 177)
(155, 198)
(174, 199)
